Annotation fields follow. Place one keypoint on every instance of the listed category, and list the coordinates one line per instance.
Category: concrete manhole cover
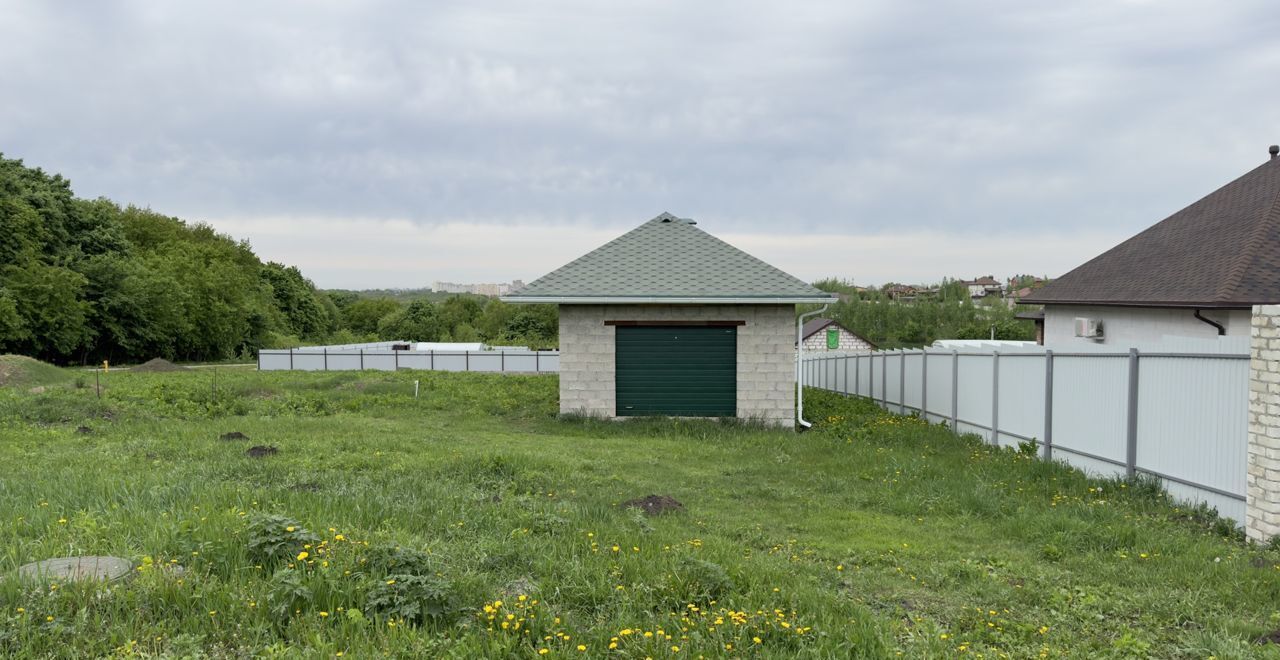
(77, 568)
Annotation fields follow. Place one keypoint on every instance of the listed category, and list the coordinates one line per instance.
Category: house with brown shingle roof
(984, 286)
(1196, 273)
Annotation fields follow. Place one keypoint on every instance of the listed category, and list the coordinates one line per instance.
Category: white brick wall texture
(849, 342)
(766, 355)
(1262, 511)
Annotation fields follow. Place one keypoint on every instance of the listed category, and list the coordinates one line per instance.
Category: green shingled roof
(667, 259)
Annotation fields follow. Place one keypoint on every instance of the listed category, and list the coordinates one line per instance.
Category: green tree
(48, 301)
(418, 321)
(307, 313)
(363, 315)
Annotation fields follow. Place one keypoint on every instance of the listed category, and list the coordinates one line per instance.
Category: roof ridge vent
(1274, 150)
(668, 218)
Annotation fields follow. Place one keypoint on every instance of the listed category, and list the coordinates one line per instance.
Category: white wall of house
(1122, 326)
(849, 342)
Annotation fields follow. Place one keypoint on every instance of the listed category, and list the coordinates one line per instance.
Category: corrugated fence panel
(975, 395)
(344, 362)
(1021, 409)
(383, 360)
(913, 384)
(1090, 411)
(841, 379)
(1193, 424)
(273, 361)
(892, 376)
(939, 387)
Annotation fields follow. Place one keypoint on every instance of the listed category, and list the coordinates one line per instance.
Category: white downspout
(800, 367)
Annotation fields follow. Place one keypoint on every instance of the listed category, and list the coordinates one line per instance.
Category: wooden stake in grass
(97, 382)
(415, 389)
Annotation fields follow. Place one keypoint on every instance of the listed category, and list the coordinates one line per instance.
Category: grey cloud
(860, 117)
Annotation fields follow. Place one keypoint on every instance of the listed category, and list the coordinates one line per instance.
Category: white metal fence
(1179, 416)
(391, 360)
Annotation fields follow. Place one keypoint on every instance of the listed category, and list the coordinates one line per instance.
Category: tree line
(86, 280)
(947, 314)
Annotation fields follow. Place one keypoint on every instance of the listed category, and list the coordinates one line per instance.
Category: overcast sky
(379, 144)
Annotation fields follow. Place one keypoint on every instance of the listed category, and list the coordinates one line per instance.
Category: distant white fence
(1179, 416)
(390, 360)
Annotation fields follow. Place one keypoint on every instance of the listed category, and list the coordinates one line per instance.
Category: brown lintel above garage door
(702, 324)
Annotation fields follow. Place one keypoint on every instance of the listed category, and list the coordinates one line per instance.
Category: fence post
(431, 359)
(902, 382)
(884, 381)
(1131, 449)
(259, 359)
(466, 360)
(1048, 405)
(955, 389)
(291, 359)
(502, 361)
(995, 398)
(924, 384)
(857, 375)
(871, 376)
(396, 354)
(537, 368)
(326, 359)
(847, 390)
(362, 359)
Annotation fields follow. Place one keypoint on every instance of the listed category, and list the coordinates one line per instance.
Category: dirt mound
(1272, 637)
(654, 505)
(84, 430)
(158, 365)
(234, 435)
(22, 371)
(261, 451)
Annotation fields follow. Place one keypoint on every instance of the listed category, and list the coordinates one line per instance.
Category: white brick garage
(766, 364)
(707, 329)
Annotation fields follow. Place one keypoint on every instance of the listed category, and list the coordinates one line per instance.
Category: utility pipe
(800, 367)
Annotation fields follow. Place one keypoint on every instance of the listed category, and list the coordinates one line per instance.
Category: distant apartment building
(484, 289)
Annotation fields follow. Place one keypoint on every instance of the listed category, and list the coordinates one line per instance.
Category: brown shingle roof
(1222, 251)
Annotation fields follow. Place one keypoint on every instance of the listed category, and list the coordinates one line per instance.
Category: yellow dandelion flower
(303, 555)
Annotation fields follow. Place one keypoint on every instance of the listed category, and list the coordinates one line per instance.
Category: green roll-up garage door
(689, 371)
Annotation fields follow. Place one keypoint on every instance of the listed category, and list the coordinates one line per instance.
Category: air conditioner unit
(1090, 328)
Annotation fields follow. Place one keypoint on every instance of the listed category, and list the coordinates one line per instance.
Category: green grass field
(471, 522)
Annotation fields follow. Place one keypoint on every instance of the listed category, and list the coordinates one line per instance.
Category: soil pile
(22, 371)
(654, 505)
